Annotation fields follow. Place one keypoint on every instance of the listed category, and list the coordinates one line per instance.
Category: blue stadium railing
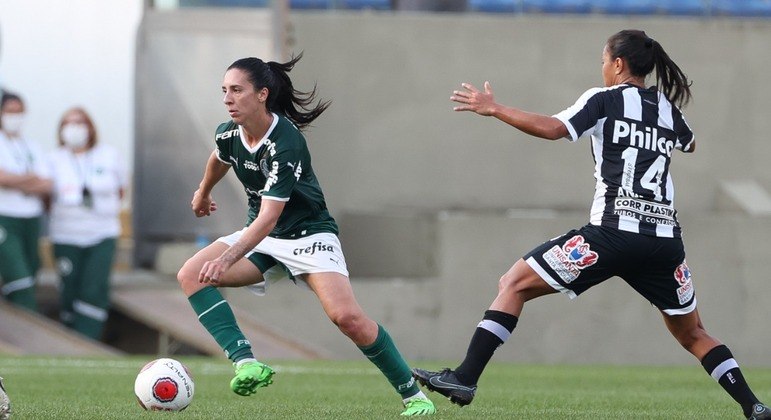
(738, 8)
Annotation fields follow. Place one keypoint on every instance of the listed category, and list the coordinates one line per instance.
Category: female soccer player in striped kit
(289, 230)
(633, 231)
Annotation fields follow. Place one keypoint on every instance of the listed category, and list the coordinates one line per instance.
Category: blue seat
(624, 7)
(682, 7)
(745, 8)
(364, 4)
(309, 4)
(224, 3)
(494, 6)
(557, 6)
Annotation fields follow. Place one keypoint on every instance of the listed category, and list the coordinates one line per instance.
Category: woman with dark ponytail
(289, 231)
(633, 231)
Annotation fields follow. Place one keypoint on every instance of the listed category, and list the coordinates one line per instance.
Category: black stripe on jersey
(683, 132)
(650, 107)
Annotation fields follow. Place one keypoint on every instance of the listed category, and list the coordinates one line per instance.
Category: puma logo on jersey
(647, 138)
(226, 134)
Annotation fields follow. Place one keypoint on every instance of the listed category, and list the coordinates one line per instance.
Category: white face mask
(12, 122)
(74, 135)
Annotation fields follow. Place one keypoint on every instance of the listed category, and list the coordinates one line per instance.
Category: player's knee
(349, 322)
(690, 338)
(187, 275)
(510, 284)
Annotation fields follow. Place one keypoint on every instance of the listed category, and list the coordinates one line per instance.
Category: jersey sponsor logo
(298, 169)
(683, 278)
(647, 138)
(317, 246)
(644, 211)
(252, 193)
(272, 178)
(264, 168)
(569, 259)
(227, 134)
(248, 164)
(271, 147)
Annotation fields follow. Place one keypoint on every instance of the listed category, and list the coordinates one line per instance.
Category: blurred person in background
(24, 182)
(89, 179)
(289, 232)
(633, 232)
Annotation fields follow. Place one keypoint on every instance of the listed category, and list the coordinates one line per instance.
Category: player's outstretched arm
(483, 103)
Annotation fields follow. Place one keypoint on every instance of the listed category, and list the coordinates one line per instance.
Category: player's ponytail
(644, 55)
(283, 98)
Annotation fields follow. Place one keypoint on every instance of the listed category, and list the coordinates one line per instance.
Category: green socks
(217, 317)
(386, 357)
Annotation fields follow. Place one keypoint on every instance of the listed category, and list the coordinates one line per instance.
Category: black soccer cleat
(760, 412)
(447, 384)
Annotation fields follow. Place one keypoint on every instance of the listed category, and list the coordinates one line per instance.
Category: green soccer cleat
(250, 376)
(419, 407)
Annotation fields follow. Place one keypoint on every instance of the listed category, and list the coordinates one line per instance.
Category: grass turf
(63, 388)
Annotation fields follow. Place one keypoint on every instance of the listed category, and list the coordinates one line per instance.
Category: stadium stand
(682, 7)
(494, 6)
(365, 4)
(155, 306)
(624, 7)
(26, 333)
(556, 6)
(738, 8)
(742, 8)
(224, 3)
(309, 4)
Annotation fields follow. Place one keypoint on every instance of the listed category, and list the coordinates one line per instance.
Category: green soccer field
(57, 388)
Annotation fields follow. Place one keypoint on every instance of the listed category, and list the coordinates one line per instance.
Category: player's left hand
(472, 99)
(212, 271)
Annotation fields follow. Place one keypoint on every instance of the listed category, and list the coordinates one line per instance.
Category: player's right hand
(202, 205)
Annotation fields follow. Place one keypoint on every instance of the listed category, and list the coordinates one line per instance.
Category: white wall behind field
(61, 53)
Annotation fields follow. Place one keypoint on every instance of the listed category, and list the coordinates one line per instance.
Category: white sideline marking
(110, 366)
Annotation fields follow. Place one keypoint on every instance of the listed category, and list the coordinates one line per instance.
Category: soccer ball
(164, 384)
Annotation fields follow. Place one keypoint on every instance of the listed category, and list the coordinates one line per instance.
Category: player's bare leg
(217, 317)
(339, 303)
(717, 360)
(519, 285)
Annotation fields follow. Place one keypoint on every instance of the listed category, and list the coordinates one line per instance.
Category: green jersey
(277, 168)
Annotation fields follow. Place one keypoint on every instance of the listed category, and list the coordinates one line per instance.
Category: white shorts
(281, 258)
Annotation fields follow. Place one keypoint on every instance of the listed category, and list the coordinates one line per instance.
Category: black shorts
(654, 267)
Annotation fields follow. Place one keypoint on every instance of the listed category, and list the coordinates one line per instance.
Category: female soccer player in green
(289, 230)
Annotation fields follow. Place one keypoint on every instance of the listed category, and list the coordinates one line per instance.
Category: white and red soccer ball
(164, 384)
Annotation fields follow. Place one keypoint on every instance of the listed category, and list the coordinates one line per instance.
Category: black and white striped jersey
(633, 132)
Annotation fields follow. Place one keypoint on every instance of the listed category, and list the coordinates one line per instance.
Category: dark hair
(283, 98)
(7, 97)
(644, 54)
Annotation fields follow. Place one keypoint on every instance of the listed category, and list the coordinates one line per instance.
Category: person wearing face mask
(89, 183)
(24, 181)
